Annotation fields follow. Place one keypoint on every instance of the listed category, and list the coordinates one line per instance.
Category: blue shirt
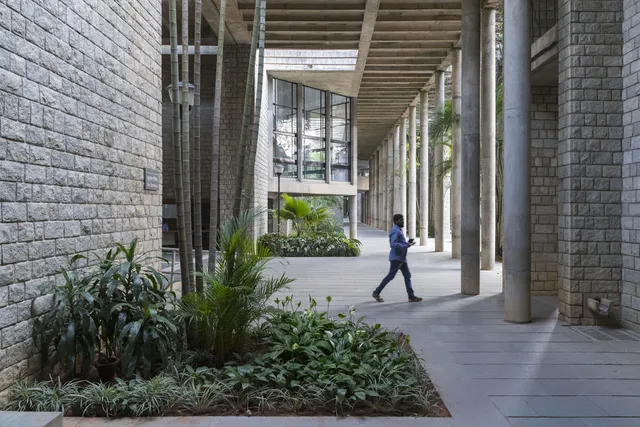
(398, 245)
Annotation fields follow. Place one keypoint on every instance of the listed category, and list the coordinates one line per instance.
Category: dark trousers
(395, 266)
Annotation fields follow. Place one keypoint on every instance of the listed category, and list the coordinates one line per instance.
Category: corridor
(489, 373)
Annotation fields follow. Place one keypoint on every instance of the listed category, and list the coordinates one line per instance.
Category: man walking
(398, 259)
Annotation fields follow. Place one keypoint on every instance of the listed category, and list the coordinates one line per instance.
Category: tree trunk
(186, 163)
(248, 187)
(182, 239)
(246, 114)
(197, 185)
(215, 148)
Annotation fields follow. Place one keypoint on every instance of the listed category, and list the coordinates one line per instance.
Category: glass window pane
(286, 152)
(285, 120)
(314, 158)
(339, 133)
(314, 112)
(285, 93)
(340, 154)
(339, 174)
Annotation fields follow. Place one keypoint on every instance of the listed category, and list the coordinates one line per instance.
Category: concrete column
(424, 168)
(379, 186)
(517, 161)
(488, 140)
(470, 224)
(413, 184)
(456, 161)
(403, 167)
(373, 167)
(397, 196)
(353, 217)
(388, 218)
(438, 158)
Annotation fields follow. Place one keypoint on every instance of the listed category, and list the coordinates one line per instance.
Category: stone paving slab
(30, 419)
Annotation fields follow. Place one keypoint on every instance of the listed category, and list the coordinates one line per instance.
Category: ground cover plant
(311, 246)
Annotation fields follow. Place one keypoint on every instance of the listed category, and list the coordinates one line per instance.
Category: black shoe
(415, 299)
(377, 297)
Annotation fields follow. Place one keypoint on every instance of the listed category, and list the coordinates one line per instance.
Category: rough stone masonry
(80, 120)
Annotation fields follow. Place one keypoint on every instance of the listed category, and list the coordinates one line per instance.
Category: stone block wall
(80, 119)
(630, 298)
(589, 155)
(544, 184)
(207, 94)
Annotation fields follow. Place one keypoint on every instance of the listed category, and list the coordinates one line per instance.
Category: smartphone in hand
(412, 242)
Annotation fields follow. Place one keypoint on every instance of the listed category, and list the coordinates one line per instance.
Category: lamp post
(192, 90)
(278, 168)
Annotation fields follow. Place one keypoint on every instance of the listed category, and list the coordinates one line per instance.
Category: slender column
(353, 217)
(413, 184)
(397, 196)
(402, 169)
(388, 218)
(488, 140)
(438, 159)
(456, 161)
(470, 225)
(424, 168)
(373, 166)
(517, 161)
(382, 185)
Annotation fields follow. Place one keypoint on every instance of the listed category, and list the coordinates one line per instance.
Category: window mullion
(327, 135)
(299, 132)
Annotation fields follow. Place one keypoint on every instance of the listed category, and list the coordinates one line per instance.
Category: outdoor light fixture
(192, 90)
(278, 168)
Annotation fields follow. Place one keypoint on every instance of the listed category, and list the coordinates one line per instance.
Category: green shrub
(311, 246)
(235, 296)
(119, 308)
(309, 363)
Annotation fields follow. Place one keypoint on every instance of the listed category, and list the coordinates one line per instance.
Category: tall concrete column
(353, 217)
(517, 161)
(380, 180)
(388, 219)
(373, 168)
(438, 159)
(397, 196)
(470, 224)
(424, 168)
(488, 140)
(413, 184)
(456, 161)
(403, 167)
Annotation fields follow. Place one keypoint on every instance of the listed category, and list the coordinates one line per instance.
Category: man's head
(398, 220)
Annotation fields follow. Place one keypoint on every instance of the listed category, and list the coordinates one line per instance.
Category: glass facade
(340, 138)
(285, 127)
(314, 138)
(311, 144)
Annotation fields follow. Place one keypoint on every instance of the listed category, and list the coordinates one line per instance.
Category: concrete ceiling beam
(368, 26)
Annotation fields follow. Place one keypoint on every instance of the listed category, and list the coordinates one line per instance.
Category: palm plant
(440, 127)
(302, 214)
(215, 144)
(235, 295)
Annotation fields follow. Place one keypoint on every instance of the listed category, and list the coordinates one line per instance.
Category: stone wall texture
(80, 119)
(544, 15)
(544, 184)
(589, 155)
(630, 298)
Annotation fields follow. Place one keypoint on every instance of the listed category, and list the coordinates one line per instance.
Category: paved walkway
(489, 373)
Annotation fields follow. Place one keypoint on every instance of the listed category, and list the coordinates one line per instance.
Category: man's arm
(397, 241)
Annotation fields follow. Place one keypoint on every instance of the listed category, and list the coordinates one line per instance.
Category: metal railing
(174, 253)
